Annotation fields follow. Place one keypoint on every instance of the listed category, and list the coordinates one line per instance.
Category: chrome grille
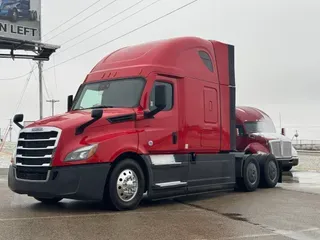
(287, 149)
(275, 148)
(36, 146)
(281, 149)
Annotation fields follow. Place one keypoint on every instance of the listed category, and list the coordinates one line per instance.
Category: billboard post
(20, 30)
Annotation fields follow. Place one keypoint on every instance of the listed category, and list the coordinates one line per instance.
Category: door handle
(174, 138)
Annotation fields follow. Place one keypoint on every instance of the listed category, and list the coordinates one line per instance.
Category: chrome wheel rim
(127, 185)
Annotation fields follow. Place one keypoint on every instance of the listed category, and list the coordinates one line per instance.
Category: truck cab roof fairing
(179, 56)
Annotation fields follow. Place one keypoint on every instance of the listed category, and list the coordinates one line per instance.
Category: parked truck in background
(256, 133)
(156, 118)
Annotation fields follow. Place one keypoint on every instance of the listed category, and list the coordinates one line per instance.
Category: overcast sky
(277, 52)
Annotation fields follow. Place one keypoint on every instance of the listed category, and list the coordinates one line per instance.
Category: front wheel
(126, 185)
(48, 201)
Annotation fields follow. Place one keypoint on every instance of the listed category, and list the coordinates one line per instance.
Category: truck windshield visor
(260, 127)
(121, 93)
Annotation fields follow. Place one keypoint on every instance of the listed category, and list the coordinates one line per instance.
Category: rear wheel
(126, 185)
(269, 171)
(14, 16)
(251, 175)
(48, 200)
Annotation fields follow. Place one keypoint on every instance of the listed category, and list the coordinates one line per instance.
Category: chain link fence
(305, 144)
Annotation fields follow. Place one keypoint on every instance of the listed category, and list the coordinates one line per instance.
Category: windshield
(266, 126)
(122, 93)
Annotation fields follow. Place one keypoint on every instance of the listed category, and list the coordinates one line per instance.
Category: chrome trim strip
(43, 165)
(46, 156)
(169, 184)
(166, 159)
(47, 148)
(35, 140)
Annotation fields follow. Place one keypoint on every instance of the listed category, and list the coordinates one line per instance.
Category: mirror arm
(154, 112)
(19, 125)
(81, 128)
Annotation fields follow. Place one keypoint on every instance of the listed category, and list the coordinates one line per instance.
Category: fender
(255, 148)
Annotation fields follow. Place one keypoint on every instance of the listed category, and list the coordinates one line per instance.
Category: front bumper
(289, 162)
(295, 161)
(81, 182)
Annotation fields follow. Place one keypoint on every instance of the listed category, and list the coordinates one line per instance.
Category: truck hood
(271, 136)
(76, 118)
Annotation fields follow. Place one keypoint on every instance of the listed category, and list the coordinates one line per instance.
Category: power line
(72, 17)
(123, 35)
(112, 25)
(46, 88)
(105, 6)
(24, 89)
(100, 24)
(14, 78)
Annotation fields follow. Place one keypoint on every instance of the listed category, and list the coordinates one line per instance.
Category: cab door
(161, 130)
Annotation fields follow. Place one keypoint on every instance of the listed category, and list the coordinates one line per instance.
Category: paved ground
(290, 211)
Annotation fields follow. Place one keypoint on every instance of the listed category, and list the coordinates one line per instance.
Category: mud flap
(280, 171)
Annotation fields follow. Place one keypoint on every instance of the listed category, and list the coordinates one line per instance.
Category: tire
(48, 201)
(31, 14)
(251, 175)
(14, 15)
(287, 169)
(126, 171)
(35, 16)
(269, 169)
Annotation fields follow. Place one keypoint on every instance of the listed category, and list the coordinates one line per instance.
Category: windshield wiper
(100, 106)
(94, 107)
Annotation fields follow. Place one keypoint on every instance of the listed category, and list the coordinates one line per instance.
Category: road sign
(20, 19)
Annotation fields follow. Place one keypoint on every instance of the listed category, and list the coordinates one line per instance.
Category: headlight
(82, 153)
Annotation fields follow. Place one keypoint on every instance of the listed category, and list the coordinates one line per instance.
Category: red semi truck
(157, 118)
(256, 133)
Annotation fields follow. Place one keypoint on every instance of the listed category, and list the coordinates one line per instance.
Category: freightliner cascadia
(156, 119)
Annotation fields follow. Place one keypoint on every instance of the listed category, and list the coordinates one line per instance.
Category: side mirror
(160, 101)
(18, 118)
(70, 102)
(160, 97)
(97, 113)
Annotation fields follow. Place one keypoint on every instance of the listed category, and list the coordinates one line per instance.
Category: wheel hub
(272, 170)
(252, 173)
(127, 185)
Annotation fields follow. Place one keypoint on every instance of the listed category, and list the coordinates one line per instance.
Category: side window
(169, 93)
(206, 60)
(240, 131)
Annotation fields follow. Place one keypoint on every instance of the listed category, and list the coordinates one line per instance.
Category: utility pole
(40, 65)
(52, 101)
